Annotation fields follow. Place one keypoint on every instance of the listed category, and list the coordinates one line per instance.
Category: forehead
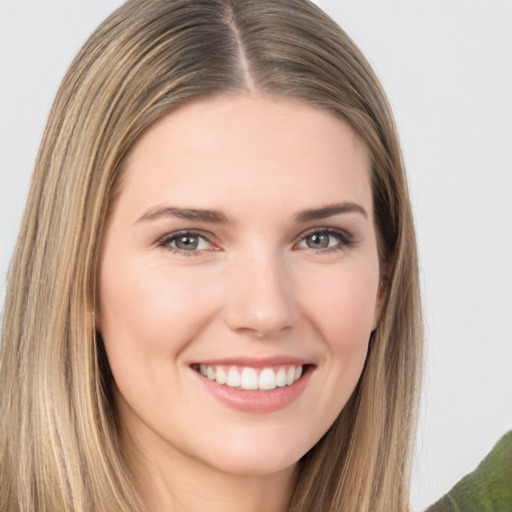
(248, 150)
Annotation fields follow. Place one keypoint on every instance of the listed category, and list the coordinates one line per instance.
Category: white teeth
(249, 378)
(233, 380)
(290, 375)
(281, 378)
(221, 376)
(267, 379)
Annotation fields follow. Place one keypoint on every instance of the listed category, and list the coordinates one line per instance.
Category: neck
(170, 481)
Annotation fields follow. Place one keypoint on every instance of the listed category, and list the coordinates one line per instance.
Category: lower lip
(257, 401)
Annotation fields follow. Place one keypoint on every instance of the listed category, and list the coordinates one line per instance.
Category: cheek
(152, 312)
(340, 307)
(343, 306)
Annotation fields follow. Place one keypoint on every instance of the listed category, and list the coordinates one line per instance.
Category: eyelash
(166, 240)
(345, 241)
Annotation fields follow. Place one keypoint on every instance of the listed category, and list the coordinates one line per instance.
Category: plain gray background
(447, 68)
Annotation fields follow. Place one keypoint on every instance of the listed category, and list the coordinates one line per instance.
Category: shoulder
(488, 488)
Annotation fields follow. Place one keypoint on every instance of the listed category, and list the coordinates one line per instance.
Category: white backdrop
(447, 68)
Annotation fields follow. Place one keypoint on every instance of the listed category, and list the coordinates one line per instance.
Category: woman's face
(239, 282)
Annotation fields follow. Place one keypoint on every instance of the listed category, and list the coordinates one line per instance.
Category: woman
(214, 299)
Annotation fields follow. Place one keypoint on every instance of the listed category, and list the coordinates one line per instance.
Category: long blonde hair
(59, 448)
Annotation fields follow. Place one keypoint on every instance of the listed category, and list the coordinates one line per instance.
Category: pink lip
(256, 401)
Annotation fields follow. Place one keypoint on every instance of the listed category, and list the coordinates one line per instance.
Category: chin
(258, 455)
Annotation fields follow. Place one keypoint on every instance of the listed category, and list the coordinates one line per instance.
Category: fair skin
(242, 240)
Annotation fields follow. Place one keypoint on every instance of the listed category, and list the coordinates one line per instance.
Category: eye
(186, 242)
(326, 240)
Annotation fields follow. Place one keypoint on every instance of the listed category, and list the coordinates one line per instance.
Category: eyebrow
(192, 214)
(218, 217)
(329, 211)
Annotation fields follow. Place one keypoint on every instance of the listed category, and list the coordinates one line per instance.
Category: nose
(261, 301)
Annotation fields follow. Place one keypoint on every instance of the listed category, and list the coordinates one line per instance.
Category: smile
(249, 378)
(255, 385)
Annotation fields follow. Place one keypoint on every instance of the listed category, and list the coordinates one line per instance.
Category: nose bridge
(262, 302)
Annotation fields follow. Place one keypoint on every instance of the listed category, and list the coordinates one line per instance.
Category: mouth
(251, 378)
(255, 385)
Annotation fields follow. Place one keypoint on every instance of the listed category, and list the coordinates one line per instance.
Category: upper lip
(255, 362)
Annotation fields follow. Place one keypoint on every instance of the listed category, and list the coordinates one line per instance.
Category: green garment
(488, 488)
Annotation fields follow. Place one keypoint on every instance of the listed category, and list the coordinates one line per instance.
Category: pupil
(187, 242)
(318, 241)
